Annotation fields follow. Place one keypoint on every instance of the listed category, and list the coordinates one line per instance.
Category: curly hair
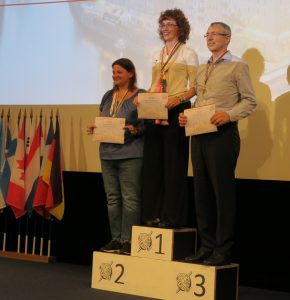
(181, 21)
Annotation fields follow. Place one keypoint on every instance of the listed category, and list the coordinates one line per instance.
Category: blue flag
(10, 148)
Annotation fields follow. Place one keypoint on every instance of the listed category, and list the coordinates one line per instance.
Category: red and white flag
(16, 194)
(32, 167)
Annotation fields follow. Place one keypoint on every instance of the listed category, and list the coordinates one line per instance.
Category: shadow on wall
(282, 129)
(255, 131)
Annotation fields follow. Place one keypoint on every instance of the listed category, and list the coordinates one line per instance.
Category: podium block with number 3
(161, 279)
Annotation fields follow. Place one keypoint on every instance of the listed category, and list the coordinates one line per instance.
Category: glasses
(215, 34)
(167, 25)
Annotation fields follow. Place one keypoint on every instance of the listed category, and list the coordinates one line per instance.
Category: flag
(2, 145)
(16, 194)
(53, 177)
(10, 149)
(42, 186)
(32, 168)
(29, 132)
(2, 150)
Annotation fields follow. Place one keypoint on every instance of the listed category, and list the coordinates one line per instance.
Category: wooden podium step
(163, 279)
(165, 244)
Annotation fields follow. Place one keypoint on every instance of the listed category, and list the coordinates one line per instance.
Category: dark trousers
(165, 166)
(214, 158)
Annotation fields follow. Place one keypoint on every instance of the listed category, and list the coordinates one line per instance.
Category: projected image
(61, 53)
(43, 59)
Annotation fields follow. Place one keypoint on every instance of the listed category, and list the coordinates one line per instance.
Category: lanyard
(209, 68)
(163, 64)
(116, 105)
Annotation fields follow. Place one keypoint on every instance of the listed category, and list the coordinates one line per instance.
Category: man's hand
(220, 118)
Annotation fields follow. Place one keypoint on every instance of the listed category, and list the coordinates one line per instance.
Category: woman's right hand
(135, 101)
(90, 129)
(182, 119)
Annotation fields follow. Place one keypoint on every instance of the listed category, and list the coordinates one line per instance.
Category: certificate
(109, 130)
(198, 120)
(152, 106)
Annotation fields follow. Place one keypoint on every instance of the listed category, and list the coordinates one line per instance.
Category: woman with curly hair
(166, 146)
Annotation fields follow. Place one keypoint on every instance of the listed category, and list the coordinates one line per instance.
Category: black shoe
(113, 247)
(165, 225)
(126, 248)
(153, 223)
(199, 257)
(217, 259)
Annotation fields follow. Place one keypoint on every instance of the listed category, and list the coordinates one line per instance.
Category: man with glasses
(223, 80)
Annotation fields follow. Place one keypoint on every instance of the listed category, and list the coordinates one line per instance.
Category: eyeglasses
(167, 25)
(215, 34)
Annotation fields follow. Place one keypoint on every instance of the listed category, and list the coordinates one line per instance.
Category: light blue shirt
(133, 146)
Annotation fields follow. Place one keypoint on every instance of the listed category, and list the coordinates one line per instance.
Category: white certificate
(109, 130)
(198, 120)
(152, 106)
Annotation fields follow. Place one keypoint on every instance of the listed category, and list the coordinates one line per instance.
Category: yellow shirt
(180, 71)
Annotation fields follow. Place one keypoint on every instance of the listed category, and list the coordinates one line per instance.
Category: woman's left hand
(172, 102)
(132, 129)
(90, 129)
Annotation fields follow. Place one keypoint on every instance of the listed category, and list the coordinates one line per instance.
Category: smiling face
(121, 77)
(217, 39)
(169, 30)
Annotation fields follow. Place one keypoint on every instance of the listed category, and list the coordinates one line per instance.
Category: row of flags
(30, 167)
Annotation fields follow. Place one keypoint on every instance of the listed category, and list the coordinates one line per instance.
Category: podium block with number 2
(161, 279)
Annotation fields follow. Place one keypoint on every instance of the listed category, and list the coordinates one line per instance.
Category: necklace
(209, 68)
(164, 64)
(116, 105)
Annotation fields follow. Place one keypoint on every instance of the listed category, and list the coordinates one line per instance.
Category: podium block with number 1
(164, 244)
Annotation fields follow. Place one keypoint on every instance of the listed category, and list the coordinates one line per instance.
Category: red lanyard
(163, 65)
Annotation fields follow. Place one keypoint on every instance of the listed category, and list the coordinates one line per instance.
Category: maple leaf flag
(16, 194)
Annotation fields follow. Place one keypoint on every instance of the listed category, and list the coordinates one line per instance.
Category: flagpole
(4, 231)
(49, 237)
(19, 235)
(42, 234)
(26, 235)
(34, 234)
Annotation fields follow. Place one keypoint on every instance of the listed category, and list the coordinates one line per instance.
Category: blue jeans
(122, 181)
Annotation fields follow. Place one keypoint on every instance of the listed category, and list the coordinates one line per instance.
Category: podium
(156, 269)
(165, 244)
